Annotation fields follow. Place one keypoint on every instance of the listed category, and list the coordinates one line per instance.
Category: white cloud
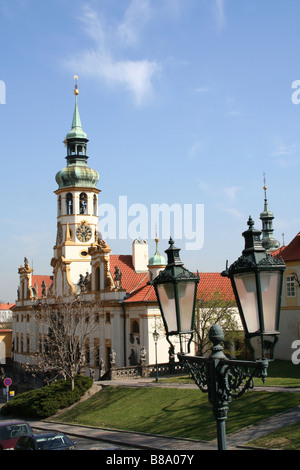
(231, 192)
(285, 155)
(219, 13)
(195, 149)
(136, 17)
(234, 212)
(283, 149)
(202, 89)
(101, 61)
(232, 106)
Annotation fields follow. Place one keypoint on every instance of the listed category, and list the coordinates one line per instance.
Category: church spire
(76, 131)
(77, 173)
(268, 241)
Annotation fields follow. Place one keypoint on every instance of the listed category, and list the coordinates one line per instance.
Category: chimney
(140, 256)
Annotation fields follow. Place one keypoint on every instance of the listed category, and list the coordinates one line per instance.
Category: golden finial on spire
(264, 175)
(76, 88)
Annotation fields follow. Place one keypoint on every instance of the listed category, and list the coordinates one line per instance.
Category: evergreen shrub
(44, 402)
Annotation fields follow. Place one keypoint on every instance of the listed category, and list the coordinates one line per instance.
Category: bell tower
(268, 241)
(77, 211)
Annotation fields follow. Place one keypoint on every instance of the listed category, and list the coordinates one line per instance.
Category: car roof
(8, 422)
(46, 434)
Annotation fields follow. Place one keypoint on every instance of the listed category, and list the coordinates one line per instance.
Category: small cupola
(157, 263)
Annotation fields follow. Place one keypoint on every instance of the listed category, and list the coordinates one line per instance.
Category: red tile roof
(38, 279)
(210, 283)
(137, 289)
(291, 252)
(135, 284)
(278, 252)
(6, 306)
(130, 279)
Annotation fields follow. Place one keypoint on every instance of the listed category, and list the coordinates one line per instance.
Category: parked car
(11, 430)
(45, 441)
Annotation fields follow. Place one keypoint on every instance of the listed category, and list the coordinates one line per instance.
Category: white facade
(123, 308)
(290, 312)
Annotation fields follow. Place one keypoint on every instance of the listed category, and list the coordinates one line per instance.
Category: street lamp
(176, 290)
(155, 338)
(256, 278)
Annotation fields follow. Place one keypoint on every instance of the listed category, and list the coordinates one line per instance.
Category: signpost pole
(7, 382)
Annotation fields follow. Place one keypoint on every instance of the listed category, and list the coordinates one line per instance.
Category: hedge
(44, 402)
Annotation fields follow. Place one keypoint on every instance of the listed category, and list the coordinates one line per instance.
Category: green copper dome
(157, 259)
(77, 176)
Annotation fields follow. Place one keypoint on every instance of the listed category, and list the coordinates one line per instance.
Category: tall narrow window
(83, 203)
(69, 202)
(96, 352)
(87, 351)
(59, 205)
(95, 205)
(97, 279)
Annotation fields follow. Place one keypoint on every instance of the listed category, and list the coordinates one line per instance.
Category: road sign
(7, 382)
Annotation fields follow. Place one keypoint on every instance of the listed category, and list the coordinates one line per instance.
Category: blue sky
(184, 102)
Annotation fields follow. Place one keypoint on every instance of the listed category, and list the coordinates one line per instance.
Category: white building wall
(290, 313)
(5, 315)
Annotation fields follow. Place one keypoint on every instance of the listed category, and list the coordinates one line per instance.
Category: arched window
(69, 203)
(83, 203)
(59, 205)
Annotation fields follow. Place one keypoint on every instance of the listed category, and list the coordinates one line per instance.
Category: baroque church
(122, 303)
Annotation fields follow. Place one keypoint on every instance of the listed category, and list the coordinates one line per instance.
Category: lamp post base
(222, 378)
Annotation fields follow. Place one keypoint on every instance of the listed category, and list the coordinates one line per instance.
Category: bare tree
(215, 308)
(63, 330)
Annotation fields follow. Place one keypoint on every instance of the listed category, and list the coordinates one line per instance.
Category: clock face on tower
(84, 232)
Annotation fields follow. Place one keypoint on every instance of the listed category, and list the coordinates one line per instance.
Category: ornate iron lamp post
(256, 279)
(176, 290)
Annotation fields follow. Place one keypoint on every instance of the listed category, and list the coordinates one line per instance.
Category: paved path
(235, 441)
(136, 440)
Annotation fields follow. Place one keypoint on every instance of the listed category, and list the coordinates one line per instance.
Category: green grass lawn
(186, 413)
(173, 412)
(282, 373)
(287, 438)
